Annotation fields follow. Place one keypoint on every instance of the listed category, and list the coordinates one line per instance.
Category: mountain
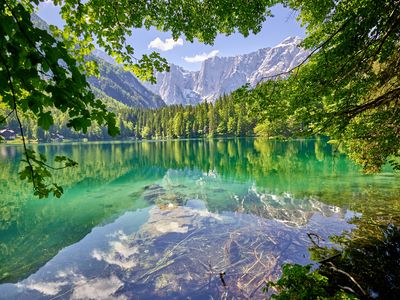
(114, 81)
(176, 86)
(123, 86)
(38, 22)
(222, 75)
(217, 75)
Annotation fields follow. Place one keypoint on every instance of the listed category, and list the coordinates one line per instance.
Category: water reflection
(177, 252)
(196, 208)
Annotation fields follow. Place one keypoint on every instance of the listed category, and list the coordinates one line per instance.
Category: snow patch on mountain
(222, 75)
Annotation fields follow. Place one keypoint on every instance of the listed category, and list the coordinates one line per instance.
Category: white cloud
(98, 288)
(166, 45)
(121, 252)
(47, 288)
(200, 57)
(47, 2)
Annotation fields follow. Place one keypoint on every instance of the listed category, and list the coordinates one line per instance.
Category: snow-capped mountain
(176, 86)
(222, 75)
(217, 75)
(280, 58)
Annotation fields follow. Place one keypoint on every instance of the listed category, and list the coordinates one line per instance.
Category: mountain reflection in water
(159, 220)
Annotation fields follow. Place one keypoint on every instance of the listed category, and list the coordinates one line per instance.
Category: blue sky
(189, 55)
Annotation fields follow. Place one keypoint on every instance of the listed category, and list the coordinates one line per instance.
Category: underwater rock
(171, 221)
(179, 186)
(153, 192)
(157, 194)
(136, 195)
(165, 227)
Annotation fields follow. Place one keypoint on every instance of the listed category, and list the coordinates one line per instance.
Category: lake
(163, 219)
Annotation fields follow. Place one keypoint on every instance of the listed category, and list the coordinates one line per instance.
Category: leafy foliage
(44, 71)
(299, 282)
(37, 73)
(363, 264)
(37, 172)
(349, 88)
(109, 23)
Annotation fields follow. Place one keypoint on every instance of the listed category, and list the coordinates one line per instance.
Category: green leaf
(45, 120)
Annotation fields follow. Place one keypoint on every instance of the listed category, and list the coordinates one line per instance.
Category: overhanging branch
(383, 99)
(322, 45)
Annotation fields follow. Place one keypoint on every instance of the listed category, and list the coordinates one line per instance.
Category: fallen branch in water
(334, 268)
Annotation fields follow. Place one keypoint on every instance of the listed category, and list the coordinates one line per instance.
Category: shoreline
(122, 141)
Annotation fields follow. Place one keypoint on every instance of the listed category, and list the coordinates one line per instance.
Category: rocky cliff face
(281, 58)
(176, 86)
(217, 76)
(222, 75)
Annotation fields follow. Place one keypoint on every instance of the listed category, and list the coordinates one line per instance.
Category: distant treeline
(225, 117)
(234, 115)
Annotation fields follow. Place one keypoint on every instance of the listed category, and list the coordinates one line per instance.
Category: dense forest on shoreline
(227, 117)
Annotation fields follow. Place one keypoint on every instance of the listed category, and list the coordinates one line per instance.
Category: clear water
(162, 220)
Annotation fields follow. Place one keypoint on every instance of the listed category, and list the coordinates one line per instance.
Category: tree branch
(26, 35)
(322, 45)
(10, 83)
(6, 117)
(50, 167)
(386, 98)
(333, 267)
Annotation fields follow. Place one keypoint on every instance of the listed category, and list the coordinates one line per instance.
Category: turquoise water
(161, 220)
